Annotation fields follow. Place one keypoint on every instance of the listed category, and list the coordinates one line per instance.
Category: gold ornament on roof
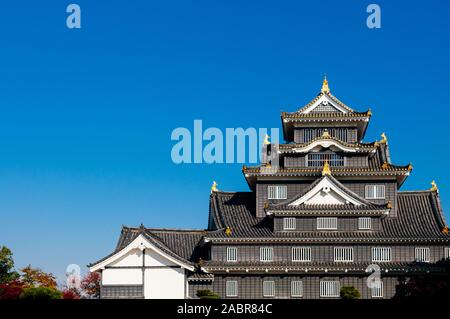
(384, 138)
(326, 134)
(266, 140)
(228, 231)
(214, 187)
(445, 230)
(369, 112)
(410, 167)
(434, 187)
(389, 205)
(326, 169)
(385, 165)
(325, 88)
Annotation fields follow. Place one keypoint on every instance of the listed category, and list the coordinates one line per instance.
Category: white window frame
(232, 252)
(296, 288)
(330, 289)
(327, 223)
(229, 285)
(377, 292)
(364, 223)
(343, 254)
(420, 253)
(268, 284)
(266, 254)
(277, 192)
(381, 254)
(301, 254)
(447, 252)
(289, 223)
(379, 191)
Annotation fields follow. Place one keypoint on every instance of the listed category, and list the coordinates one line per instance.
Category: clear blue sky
(86, 115)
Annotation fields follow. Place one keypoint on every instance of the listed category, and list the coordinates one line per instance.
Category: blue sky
(87, 115)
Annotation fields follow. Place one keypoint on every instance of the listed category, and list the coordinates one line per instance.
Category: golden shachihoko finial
(326, 169)
(434, 187)
(384, 138)
(228, 231)
(214, 187)
(325, 88)
(266, 139)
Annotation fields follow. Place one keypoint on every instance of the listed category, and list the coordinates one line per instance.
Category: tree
(11, 290)
(207, 294)
(41, 293)
(90, 285)
(7, 272)
(349, 292)
(71, 294)
(36, 277)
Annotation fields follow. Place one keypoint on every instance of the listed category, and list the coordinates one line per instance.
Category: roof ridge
(406, 192)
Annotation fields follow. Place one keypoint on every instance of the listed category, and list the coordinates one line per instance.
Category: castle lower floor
(229, 286)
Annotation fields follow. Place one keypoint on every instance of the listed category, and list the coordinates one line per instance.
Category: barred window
(375, 191)
(377, 290)
(342, 134)
(330, 289)
(266, 254)
(269, 288)
(447, 252)
(422, 254)
(301, 254)
(344, 254)
(277, 192)
(319, 159)
(381, 254)
(231, 254)
(364, 223)
(289, 223)
(232, 288)
(296, 288)
(326, 223)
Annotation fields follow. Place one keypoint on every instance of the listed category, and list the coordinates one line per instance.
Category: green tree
(41, 293)
(350, 293)
(207, 294)
(7, 272)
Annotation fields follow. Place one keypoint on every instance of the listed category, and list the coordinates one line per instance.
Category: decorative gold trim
(445, 230)
(266, 140)
(434, 187)
(389, 205)
(228, 231)
(325, 88)
(326, 169)
(384, 138)
(326, 134)
(214, 187)
(385, 165)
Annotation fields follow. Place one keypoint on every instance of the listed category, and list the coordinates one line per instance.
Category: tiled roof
(329, 95)
(178, 243)
(419, 218)
(318, 266)
(359, 147)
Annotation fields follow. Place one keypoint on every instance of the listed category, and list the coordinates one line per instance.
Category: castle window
(301, 254)
(377, 290)
(277, 192)
(231, 254)
(329, 289)
(269, 288)
(232, 288)
(326, 223)
(364, 223)
(266, 254)
(343, 254)
(289, 223)
(375, 191)
(422, 254)
(296, 288)
(381, 254)
(319, 159)
(447, 252)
